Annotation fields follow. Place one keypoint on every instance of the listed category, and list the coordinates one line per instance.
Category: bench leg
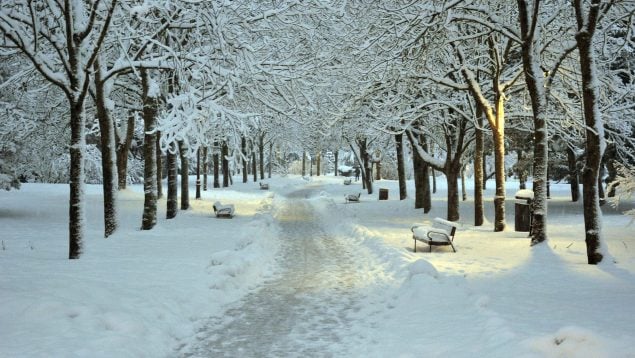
(430, 248)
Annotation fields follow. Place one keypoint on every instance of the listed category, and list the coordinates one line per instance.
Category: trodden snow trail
(305, 310)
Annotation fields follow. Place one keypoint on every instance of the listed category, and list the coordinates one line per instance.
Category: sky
(299, 272)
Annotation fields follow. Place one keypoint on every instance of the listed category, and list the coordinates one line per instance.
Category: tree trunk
(261, 155)
(173, 200)
(159, 165)
(225, 164)
(205, 168)
(108, 154)
(243, 155)
(479, 174)
(378, 171)
(185, 168)
(76, 200)
(452, 176)
(519, 170)
(198, 173)
(123, 148)
(269, 167)
(536, 88)
(594, 145)
(499, 196)
(336, 162)
(149, 155)
(423, 197)
(303, 163)
(401, 168)
(253, 166)
(573, 175)
(216, 161)
(319, 162)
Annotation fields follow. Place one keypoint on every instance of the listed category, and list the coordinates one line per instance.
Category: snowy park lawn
(145, 293)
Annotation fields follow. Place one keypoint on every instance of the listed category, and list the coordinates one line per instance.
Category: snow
(167, 291)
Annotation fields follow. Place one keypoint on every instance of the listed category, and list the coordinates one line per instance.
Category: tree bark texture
(159, 166)
(76, 208)
(198, 173)
(108, 154)
(535, 86)
(594, 145)
(205, 168)
(261, 155)
(479, 210)
(254, 172)
(123, 148)
(401, 168)
(173, 200)
(149, 156)
(243, 155)
(303, 163)
(216, 165)
(185, 168)
(225, 164)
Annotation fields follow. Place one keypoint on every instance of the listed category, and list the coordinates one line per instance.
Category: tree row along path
(304, 310)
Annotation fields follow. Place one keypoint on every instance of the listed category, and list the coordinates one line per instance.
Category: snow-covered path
(303, 311)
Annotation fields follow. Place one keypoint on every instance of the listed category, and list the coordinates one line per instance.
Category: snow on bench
(440, 233)
(223, 211)
(352, 198)
(264, 186)
(347, 181)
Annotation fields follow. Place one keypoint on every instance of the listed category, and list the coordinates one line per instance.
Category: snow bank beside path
(135, 294)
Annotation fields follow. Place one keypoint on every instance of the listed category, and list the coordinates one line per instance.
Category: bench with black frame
(264, 186)
(352, 198)
(223, 211)
(441, 233)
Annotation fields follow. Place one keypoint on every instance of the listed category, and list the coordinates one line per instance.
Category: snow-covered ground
(297, 272)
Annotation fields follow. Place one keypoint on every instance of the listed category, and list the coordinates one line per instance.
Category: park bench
(264, 186)
(352, 198)
(440, 233)
(223, 211)
(347, 181)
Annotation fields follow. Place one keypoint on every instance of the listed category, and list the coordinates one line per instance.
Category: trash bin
(383, 194)
(522, 215)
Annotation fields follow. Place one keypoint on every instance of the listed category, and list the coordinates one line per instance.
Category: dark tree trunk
(519, 170)
(378, 172)
(401, 168)
(254, 172)
(535, 85)
(76, 213)
(479, 174)
(123, 148)
(269, 168)
(485, 175)
(243, 155)
(423, 197)
(159, 166)
(261, 155)
(594, 145)
(108, 154)
(573, 174)
(319, 162)
(336, 162)
(149, 156)
(216, 162)
(185, 169)
(205, 168)
(601, 185)
(303, 163)
(367, 164)
(452, 176)
(198, 173)
(225, 164)
(173, 186)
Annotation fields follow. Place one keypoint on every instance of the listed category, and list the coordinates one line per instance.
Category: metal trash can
(522, 214)
(383, 194)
